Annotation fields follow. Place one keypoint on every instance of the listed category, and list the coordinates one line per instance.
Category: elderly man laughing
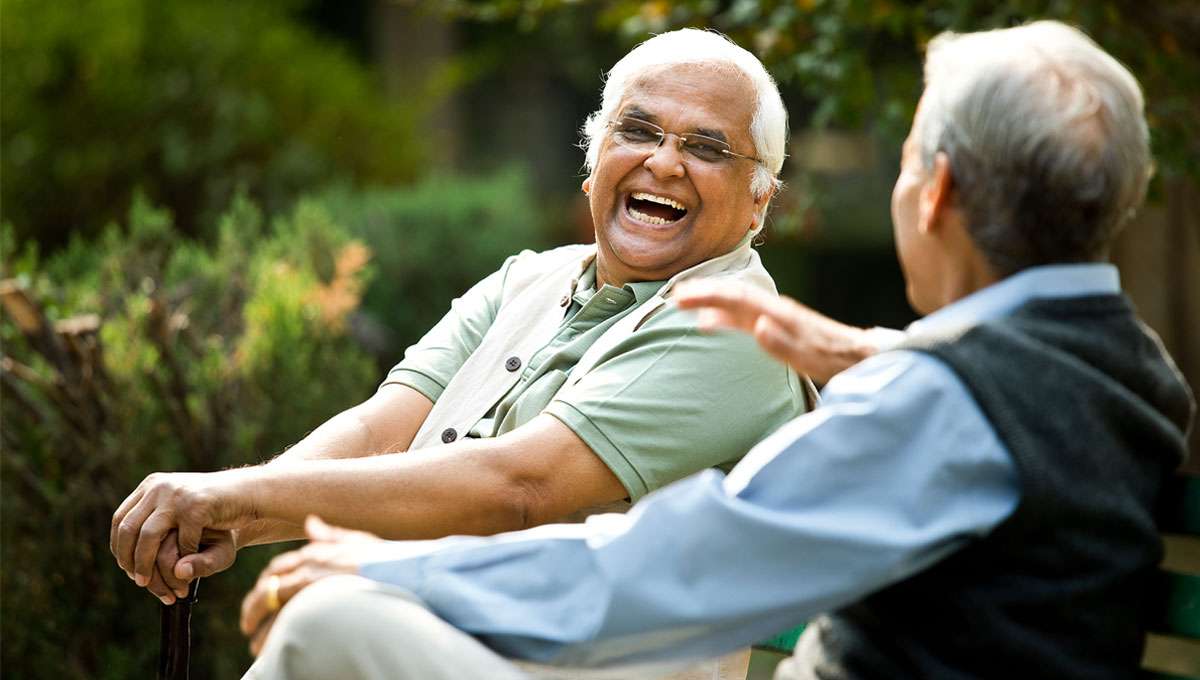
(565, 381)
(973, 503)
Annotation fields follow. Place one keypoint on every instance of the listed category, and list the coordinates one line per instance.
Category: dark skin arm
(387, 422)
(534, 474)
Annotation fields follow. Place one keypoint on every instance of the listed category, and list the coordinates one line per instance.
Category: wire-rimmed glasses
(644, 137)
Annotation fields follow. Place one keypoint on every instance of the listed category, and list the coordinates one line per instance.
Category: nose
(667, 158)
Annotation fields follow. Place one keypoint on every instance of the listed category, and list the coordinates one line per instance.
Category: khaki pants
(351, 628)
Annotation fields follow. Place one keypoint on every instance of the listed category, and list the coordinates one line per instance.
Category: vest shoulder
(545, 260)
(529, 266)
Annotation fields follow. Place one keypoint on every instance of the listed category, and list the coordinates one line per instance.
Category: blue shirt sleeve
(897, 469)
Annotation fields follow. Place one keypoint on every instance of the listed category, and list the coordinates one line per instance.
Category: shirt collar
(641, 290)
(644, 290)
(1004, 296)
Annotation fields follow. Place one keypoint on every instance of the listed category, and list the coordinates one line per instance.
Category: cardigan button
(564, 301)
(512, 364)
(449, 435)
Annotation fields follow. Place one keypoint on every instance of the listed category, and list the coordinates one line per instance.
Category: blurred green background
(222, 222)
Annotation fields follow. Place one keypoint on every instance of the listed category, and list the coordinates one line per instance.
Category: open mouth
(654, 209)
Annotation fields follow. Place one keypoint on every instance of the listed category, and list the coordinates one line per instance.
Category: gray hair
(1046, 138)
(768, 126)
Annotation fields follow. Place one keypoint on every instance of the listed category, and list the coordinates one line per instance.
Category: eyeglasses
(644, 137)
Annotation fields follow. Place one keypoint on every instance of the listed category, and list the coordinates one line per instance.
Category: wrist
(849, 345)
(239, 494)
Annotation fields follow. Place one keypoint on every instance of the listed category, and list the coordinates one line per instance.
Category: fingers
(255, 606)
(128, 531)
(189, 535)
(712, 319)
(724, 304)
(286, 562)
(318, 530)
(148, 541)
(118, 517)
(215, 556)
(168, 557)
(259, 638)
(773, 338)
(158, 588)
(722, 294)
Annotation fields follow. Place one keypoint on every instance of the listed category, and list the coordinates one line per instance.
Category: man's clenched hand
(175, 527)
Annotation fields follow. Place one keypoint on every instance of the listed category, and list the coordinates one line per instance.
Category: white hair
(1046, 138)
(768, 126)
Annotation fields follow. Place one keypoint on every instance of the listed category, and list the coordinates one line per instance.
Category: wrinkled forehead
(712, 96)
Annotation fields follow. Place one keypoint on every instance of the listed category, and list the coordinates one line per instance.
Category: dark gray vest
(1094, 415)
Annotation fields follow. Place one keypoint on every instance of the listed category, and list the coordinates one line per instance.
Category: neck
(972, 273)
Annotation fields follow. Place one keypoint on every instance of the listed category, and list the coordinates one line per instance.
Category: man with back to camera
(973, 502)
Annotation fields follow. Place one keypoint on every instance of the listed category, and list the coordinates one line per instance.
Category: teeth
(641, 196)
(647, 218)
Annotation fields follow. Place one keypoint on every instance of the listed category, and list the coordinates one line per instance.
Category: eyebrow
(642, 114)
(715, 134)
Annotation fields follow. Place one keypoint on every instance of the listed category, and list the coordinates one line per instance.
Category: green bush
(188, 100)
(199, 356)
(203, 357)
(433, 240)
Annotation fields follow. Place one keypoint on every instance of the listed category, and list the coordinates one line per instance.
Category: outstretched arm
(811, 343)
(534, 474)
(896, 470)
(387, 422)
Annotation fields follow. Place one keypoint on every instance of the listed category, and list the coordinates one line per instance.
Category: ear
(587, 185)
(760, 205)
(935, 195)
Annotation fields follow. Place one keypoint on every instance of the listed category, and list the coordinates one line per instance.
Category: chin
(647, 255)
(646, 266)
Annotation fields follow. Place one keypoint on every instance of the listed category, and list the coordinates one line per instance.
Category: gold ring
(273, 593)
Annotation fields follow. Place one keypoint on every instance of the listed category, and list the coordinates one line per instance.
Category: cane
(175, 646)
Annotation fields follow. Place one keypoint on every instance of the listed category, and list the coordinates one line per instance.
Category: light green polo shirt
(666, 402)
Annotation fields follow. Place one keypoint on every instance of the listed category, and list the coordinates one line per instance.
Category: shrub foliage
(189, 100)
(142, 350)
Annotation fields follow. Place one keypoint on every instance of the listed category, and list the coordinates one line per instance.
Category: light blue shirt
(897, 469)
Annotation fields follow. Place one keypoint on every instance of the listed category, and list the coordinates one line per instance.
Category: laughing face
(659, 212)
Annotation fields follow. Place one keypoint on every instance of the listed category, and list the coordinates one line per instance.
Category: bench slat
(1170, 658)
(1180, 598)
(784, 642)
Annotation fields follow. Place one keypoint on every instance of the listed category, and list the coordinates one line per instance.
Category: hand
(809, 342)
(174, 571)
(181, 506)
(332, 551)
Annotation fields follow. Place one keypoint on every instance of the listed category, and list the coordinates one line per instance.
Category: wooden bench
(1173, 643)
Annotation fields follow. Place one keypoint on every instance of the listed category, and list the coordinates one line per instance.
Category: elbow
(527, 506)
(528, 497)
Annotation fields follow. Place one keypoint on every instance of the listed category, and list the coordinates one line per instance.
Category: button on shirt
(663, 403)
(896, 470)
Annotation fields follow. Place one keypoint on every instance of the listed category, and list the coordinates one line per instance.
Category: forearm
(419, 495)
(537, 473)
(386, 423)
